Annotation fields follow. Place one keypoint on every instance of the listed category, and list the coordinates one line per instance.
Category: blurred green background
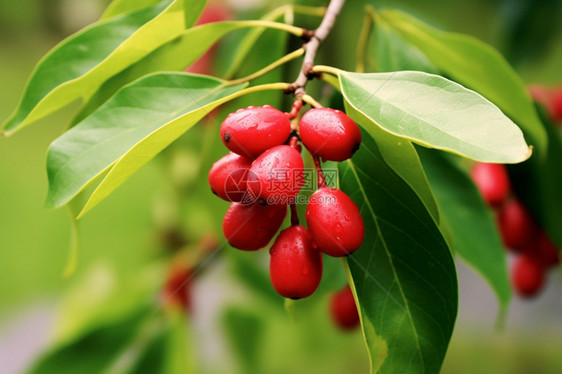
(34, 242)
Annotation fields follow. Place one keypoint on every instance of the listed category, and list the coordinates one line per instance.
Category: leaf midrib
(383, 242)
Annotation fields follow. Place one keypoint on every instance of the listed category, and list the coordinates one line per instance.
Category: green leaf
(473, 228)
(130, 129)
(91, 352)
(174, 56)
(401, 156)
(403, 275)
(392, 53)
(437, 113)
(475, 65)
(120, 7)
(163, 348)
(132, 114)
(78, 66)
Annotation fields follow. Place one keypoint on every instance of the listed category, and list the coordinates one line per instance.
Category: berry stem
(328, 74)
(295, 109)
(288, 57)
(319, 173)
(310, 100)
(311, 46)
(290, 308)
(294, 142)
(297, 31)
(294, 215)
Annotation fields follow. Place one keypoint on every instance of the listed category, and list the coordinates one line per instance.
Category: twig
(312, 47)
(321, 180)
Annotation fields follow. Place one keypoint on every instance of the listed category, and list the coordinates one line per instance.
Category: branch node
(313, 74)
(290, 90)
(307, 35)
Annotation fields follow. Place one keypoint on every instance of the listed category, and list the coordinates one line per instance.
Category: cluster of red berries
(262, 176)
(535, 252)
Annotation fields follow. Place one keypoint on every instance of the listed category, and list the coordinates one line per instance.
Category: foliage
(435, 89)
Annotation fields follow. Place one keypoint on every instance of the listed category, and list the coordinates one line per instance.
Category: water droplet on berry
(347, 218)
(305, 270)
(338, 228)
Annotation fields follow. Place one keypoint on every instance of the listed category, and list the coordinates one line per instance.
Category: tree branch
(312, 47)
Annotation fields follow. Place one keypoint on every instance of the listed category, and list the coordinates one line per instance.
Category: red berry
(335, 222)
(213, 12)
(276, 175)
(251, 227)
(546, 251)
(527, 275)
(556, 106)
(177, 289)
(516, 225)
(296, 264)
(492, 181)
(228, 175)
(343, 309)
(329, 134)
(251, 131)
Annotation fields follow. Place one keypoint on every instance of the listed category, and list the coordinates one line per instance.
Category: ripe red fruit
(343, 309)
(251, 227)
(276, 175)
(213, 12)
(516, 225)
(527, 275)
(335, 222)
(295, 267)
(251, 131)
(546, 251)
(329, 134)
(228, 175)
(177, 289)
(493, 182)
